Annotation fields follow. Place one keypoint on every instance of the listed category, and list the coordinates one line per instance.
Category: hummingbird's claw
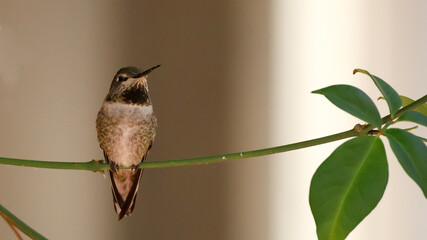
(114, 167)
(134, 167)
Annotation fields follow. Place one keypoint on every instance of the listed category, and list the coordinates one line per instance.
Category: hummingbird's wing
(124, 185)
(118, 200)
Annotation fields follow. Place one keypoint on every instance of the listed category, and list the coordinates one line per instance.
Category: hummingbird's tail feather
(124, 185)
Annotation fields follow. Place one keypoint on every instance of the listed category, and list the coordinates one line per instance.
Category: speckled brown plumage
(125, 131)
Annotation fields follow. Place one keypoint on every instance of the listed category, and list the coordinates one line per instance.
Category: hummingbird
(126, 127)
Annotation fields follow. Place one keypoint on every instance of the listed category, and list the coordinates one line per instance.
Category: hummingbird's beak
(146, 72)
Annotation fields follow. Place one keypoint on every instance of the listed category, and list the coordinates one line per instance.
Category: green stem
(95, 165)
(12, 219)
(399, 113)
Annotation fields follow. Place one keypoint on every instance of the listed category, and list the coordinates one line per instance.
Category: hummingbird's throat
(135, 95)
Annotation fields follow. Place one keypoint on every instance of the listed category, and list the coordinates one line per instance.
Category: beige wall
(228, 83)
(57, 60)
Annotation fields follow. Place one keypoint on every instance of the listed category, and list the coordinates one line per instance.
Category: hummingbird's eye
(122, 79)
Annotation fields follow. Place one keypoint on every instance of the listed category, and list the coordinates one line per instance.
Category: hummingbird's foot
(114, 167)
(135, 167)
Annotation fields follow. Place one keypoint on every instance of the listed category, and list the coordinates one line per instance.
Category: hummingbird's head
(130, 86)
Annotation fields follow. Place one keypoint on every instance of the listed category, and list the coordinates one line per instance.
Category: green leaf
(347, 186)
(415, 117)
(393, 100)
(353, 101)
(411, 153)
(406, 101)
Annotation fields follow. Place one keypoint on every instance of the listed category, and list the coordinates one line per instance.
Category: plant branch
(399, 113)
(14, 221)
(97, 166)
(11, 226)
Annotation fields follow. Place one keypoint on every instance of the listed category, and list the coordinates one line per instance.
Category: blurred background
(236, 75)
